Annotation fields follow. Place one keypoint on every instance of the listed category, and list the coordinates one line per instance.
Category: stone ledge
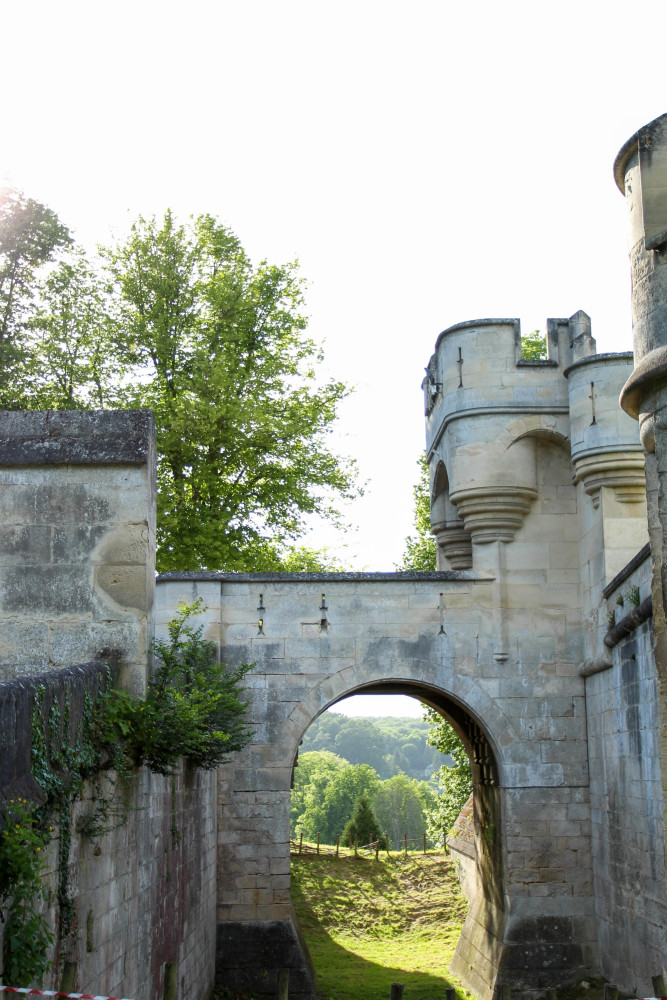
(628, 570)
(76, 437)
(443, 576)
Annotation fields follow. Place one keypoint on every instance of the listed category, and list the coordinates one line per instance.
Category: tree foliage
(30, 235)
(455, 779)
(330, 800)
(363, 827)
(193, 708)
(68, 362)
(312, 775)
(327, 789)
(401, 806)
(176, 318)
(419, 553)
(389, 745)
(534, 346)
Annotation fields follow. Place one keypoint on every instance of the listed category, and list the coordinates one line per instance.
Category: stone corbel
(455, 544)
(621, 471)
(491, 513)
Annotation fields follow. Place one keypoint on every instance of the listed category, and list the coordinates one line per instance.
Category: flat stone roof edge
(76, 437)
(211, 576)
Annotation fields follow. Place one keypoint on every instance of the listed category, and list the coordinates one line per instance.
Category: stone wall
(77, 581)
(77, 539)
(143, 892)
(522, 717)
(626, 797)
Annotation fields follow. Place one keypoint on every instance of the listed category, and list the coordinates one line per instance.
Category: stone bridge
(521, 715)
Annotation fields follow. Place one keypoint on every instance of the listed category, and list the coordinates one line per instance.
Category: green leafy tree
(534, 346)
(194, 706)
(218, 352)
(26, 935)
(394, 744)
(328, 813)
(401, 805)
(363, 827)
(314, 771)
(455, 781)
(176, 319)
(419, 553)
(30, 235)
(69, 361)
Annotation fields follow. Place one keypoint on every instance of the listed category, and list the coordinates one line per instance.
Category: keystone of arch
(416, 673)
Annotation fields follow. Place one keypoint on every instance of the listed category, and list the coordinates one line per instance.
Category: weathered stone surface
(84, 437)
(77, 542)
(143, 892)
(250, 954)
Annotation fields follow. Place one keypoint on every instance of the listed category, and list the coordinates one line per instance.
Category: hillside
(372, 923)
(389, 745)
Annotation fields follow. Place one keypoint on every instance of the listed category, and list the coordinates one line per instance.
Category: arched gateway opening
(314, 639)
(485, 914)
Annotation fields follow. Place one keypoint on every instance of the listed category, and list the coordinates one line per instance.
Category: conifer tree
(363, 826)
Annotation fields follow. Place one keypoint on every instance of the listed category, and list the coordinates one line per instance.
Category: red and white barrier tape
(26, 991)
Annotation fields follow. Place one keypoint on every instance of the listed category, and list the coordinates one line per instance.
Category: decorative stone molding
(622, 471)
(492, 513)
(455, 543)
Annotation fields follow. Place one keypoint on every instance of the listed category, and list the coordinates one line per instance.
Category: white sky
(377, 705)
(427, 163)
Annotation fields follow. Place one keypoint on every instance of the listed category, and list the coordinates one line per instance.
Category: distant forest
(389, 745)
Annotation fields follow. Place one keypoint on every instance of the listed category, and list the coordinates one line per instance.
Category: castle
(541, 637)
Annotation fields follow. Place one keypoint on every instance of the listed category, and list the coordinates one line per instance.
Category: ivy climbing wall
(129, 893)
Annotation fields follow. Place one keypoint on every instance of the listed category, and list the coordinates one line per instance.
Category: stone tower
(641, 175)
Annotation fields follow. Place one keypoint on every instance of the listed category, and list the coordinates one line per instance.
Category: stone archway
(481, 940)
(435, 634)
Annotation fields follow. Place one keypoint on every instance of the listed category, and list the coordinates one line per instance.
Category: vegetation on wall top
(193, 711)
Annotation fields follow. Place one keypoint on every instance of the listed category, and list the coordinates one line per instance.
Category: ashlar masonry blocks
(77, 539)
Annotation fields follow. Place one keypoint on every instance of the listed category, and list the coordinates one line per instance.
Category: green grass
(371, 923)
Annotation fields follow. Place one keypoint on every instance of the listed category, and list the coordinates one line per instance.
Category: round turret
(640, 170)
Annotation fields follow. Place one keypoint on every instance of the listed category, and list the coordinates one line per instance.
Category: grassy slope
(370, 923)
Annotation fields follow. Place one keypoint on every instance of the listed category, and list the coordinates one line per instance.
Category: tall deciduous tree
(30, 235)
(314, 770)
(69, 360)
(332, 802)
(177, 319)
(400, 806)
(218, 351)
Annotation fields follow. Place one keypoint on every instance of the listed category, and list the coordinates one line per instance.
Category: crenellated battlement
(480, 363)
(493, 416)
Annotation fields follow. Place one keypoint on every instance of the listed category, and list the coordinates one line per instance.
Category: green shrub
(193, 710)
(27, 936)
(193, 707)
